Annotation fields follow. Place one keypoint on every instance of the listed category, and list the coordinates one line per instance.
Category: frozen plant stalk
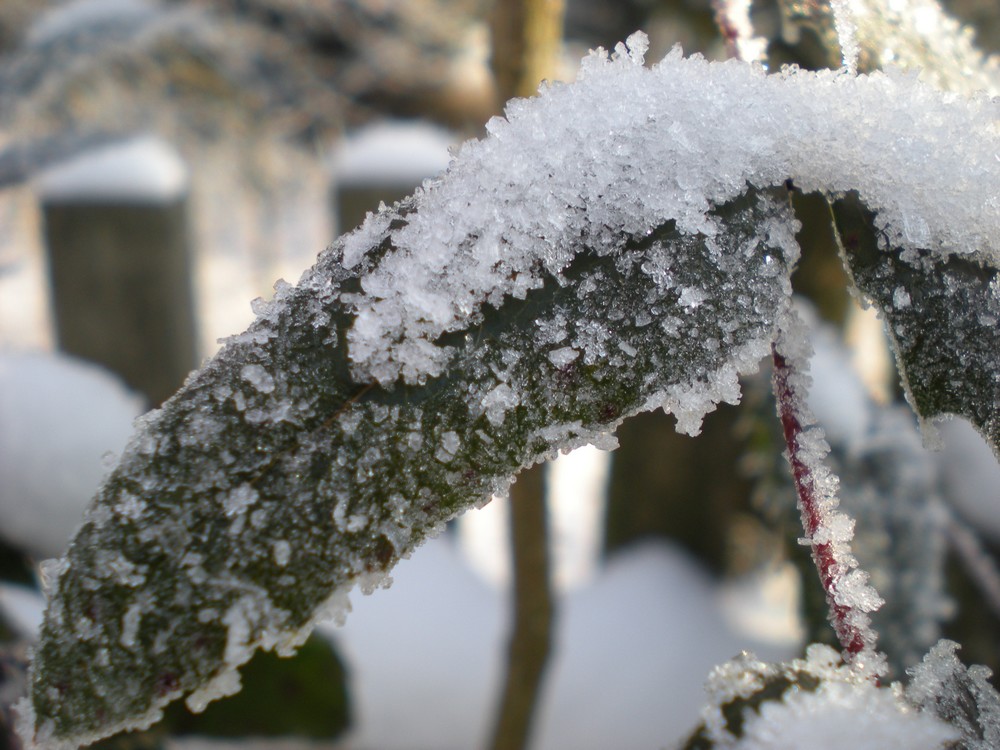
(828, 531)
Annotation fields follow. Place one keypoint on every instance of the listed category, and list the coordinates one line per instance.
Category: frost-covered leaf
(816, 702)
(943, 317)
(273, 479)
(962, 696)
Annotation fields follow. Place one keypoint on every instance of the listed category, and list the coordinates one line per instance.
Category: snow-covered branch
(828, 531)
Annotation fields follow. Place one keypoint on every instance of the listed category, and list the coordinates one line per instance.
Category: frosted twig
(733, 19)
(847, 33)
(828, 530)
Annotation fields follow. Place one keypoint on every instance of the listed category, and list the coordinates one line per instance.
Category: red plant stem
(824, 555)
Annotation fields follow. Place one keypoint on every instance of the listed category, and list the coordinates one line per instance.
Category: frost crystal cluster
(686, 135)
(615, 245)
(816, 703)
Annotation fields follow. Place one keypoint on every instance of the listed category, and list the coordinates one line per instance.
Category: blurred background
(163, 163)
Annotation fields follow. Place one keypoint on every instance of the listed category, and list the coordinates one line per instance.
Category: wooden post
(671, 486)
(116, 231)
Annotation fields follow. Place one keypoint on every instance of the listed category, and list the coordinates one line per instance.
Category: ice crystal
(566, 166)
(815, 702)
(963, 696)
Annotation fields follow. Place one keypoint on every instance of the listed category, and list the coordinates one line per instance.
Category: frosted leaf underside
(273, 479)
(943, 317)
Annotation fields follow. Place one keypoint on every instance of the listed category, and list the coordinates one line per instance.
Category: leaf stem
(833, 559)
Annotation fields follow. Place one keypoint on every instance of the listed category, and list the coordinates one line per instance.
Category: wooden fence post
(116, 231)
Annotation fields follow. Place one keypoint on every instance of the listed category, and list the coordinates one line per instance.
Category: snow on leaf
(680, 137)
(355, 475)
(815, 702)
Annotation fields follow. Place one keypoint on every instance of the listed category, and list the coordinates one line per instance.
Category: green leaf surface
(943, 318)
(273, 482)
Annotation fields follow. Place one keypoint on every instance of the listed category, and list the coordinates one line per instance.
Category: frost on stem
(828, 531)
(611, 247)
(893, 492)
(847, 33)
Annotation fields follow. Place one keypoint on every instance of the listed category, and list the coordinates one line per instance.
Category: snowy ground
(633, 647)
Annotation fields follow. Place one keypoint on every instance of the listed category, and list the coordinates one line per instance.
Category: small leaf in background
(943, 317)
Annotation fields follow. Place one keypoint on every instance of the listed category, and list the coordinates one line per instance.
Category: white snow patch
(141, 170)
(838, 397)
(765, 605)
(392, 153)
(843, 716)
(575, 485)
(22, 608)
(59, 417)
(637, 642)
(424, 677)
(971, 476)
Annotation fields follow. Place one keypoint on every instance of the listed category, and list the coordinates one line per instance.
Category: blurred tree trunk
(121, 288)
(671, 486)
(531, 637)
(526, 36)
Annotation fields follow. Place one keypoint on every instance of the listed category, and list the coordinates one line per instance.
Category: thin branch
(827, 530)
